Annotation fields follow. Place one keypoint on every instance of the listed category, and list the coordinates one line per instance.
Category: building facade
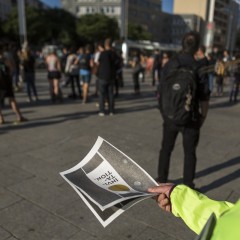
(183, 23)
(5, 8)
(219, 18)
(142, 12)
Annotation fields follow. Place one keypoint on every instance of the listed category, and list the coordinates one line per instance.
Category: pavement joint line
(20, 200)
(43, 208)
(152, 227)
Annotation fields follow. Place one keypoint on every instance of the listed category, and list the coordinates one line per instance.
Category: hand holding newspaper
(108, 181)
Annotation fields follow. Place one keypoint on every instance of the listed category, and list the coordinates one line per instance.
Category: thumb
(162, 188)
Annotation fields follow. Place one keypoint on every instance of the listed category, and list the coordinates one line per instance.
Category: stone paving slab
(7, 198)
(24, 217)
(4, 234)
(36, 203)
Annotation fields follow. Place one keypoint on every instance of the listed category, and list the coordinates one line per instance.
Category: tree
(137, 32)
(96, 27)
(44, 26)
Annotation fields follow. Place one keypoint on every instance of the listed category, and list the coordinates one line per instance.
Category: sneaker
(111, 114)
(22, 119)
(29, 100)
(101, 114)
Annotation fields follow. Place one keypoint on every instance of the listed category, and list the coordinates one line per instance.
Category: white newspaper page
(108, 181)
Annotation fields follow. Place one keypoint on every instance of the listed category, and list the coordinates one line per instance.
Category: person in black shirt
(28, 63)
(6, 88)
(190, 132)
(106, 75)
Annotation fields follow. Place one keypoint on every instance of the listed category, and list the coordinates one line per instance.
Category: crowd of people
(222, 70)
(78, 68)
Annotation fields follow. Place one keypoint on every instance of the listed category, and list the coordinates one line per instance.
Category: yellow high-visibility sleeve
(195, 208)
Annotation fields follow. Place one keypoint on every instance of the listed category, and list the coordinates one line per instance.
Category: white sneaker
(101, 114)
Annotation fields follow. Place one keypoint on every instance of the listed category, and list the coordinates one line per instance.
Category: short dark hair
(190, 42)
(108, 42)
(202, 48)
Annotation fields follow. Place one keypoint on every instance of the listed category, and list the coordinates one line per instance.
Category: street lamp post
(210, 27)
(22, 22)
(228, 45)
(124, 19)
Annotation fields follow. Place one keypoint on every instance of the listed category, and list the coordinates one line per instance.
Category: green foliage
(57, 26)
(92, 28)
(43, 26)
(10, 27)
(137, 32)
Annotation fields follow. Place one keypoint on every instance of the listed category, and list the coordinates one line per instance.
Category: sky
(52, 3)
(167, 5)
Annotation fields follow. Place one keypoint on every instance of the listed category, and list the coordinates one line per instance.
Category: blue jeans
(211, 81)
(85, 78)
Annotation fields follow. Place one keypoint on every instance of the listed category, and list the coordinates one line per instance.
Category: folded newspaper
(108, 181)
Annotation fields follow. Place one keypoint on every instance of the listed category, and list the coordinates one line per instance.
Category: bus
(129, 47)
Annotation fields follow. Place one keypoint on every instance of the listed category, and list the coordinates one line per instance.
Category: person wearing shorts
(54, 75)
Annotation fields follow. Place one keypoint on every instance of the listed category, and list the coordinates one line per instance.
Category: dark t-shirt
(157, 62)
(5, 81)
(84, 61)
(107, 66)
(29, 64)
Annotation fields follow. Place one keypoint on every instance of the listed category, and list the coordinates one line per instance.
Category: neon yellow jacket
(197, 209)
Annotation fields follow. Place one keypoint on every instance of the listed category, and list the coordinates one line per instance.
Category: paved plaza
(37, 204)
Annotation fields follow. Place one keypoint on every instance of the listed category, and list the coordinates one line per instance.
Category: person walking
(28, 64)
(98, 49)
(137, 68)
(85, 61)
(157, 62)
(54, 75)
(220, 71)
(72, 70)
(235, 82)
(211, 77)
(195, 108)
(106, 75)
(6, 88)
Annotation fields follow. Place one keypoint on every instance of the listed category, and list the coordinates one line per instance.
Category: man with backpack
(183, 102)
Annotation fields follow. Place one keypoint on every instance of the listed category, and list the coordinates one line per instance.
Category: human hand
(163, 195)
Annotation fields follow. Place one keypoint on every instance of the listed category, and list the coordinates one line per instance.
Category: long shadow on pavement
(218, 182)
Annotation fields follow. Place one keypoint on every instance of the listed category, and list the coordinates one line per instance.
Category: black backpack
(178, 95)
